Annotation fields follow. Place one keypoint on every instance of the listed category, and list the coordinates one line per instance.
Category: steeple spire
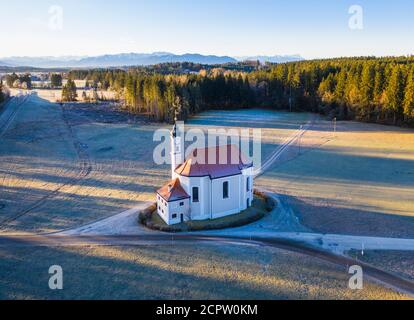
(174, 130)
(176, 147)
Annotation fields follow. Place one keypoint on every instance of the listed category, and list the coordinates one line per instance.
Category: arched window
(195, 194)
(225, 190)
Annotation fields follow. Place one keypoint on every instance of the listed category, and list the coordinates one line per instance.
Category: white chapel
(220, 185)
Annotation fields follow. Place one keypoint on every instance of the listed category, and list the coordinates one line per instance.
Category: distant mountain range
(272, 59)
(132, 59)
(4, 64)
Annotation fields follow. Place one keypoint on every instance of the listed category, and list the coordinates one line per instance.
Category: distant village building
(202, 190)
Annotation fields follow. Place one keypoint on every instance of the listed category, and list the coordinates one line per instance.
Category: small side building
(173, 203)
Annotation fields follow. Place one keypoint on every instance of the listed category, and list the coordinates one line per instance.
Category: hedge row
(145, 218)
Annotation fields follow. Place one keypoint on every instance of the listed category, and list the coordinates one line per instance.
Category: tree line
(19, 81)
(160, 95)
(379, 90)
(368, 89)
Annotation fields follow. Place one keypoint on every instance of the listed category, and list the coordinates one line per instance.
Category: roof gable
(173, 191)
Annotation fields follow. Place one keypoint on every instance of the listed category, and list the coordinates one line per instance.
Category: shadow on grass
(337, 220)
(174, 272)
(153, 273)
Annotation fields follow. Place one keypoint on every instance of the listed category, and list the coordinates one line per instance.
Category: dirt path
(279, 151)
(125, 223)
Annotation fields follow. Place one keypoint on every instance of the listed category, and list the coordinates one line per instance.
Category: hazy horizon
(148, 53)
(234, 28)
(200, 53)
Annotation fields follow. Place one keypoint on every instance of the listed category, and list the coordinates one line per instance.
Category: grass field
(38, 157)
(275, 127)
(358, 181)
(54, 95)
(176, 272)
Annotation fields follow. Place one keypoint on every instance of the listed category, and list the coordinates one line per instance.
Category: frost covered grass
(41, 170)
(398, 262)
(176, 271)
(358, 181)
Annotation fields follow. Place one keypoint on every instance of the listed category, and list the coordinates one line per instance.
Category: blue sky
(312, 28)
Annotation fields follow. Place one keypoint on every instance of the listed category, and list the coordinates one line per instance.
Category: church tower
(176, 149)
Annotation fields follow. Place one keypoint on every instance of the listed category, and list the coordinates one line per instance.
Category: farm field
(63, 167)
(149, 154)
(359, 182)
(116, 150)
(60, 169)
(54, 95)
(182, 272)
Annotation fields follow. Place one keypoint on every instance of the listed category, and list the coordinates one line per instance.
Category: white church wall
(214, 206)
(247, 193)
(199, 210)
(226, 206)
(206, 190)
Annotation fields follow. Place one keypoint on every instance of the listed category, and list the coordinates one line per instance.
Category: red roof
(173, 191)
(228, 161)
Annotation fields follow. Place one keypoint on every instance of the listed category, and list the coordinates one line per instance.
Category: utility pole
(334, 126)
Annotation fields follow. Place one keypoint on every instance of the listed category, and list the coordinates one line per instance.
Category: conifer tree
(69, 91)
(409, 98)
(395, 93)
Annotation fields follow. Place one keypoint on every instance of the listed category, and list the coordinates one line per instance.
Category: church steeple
(176, 152)
(174, 131)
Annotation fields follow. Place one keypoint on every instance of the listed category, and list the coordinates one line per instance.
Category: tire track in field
(6, 125)
(280, 151)
(85, 170)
